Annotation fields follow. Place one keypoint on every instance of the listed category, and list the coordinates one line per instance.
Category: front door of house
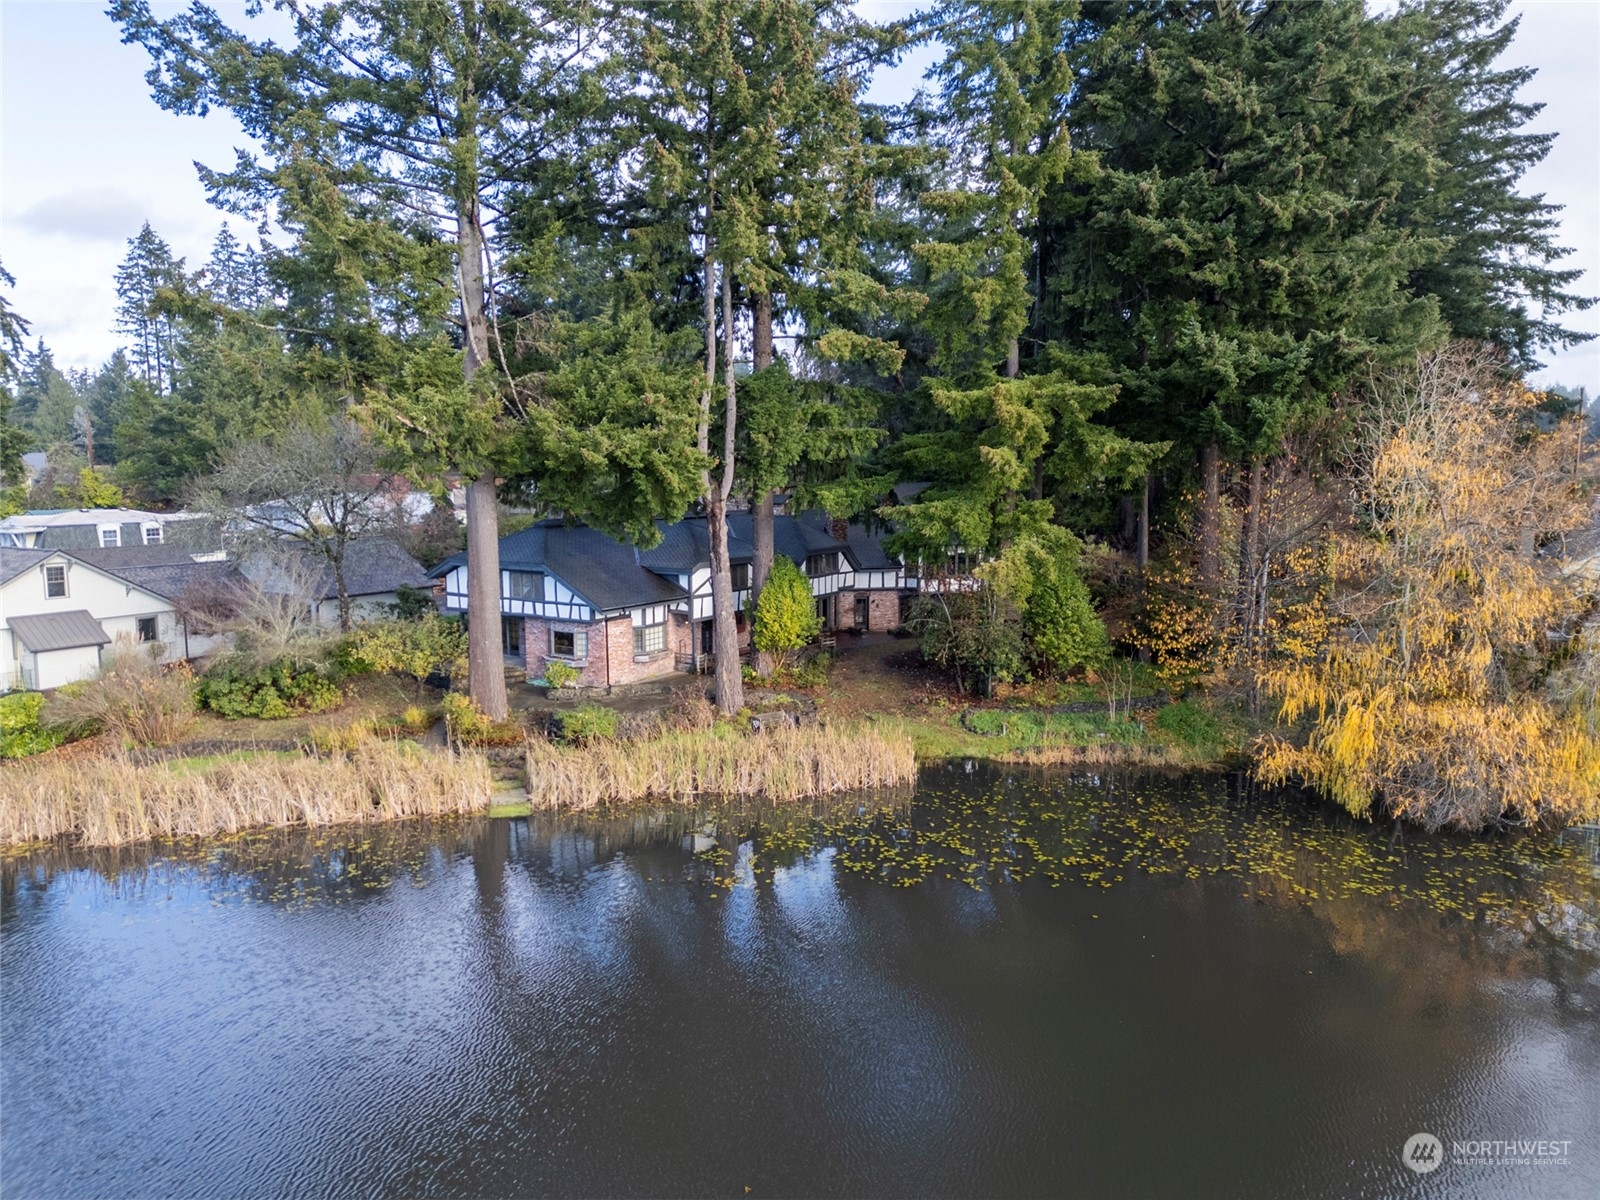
(511, 636)
(863, 618)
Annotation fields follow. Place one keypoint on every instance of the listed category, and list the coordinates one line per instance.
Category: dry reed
(113, 801)
(783, 765)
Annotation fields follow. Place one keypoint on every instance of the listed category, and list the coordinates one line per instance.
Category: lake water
(1013, 983)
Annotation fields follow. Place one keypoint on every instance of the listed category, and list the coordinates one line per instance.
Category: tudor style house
(620, 614)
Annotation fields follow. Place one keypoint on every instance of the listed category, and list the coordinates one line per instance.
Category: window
(152, 535)
(55, 582)
(649, 639)
(511, 636)
(569, 643)
(741, 576)
(526, 585)
(147, 629)
(823, 564)
(110, 535)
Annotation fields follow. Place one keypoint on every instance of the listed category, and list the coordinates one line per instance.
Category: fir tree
(1498, 279)
(148, 268)
(389, 128)
(1235, 256)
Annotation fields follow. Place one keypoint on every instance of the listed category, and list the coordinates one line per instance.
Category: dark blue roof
(612, 574)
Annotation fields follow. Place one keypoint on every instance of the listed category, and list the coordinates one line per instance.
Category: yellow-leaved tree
(1426, 698)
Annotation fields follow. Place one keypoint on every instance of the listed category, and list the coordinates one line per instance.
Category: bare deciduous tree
(319, 487)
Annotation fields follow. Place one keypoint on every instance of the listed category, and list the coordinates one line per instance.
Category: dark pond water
(1013, 984)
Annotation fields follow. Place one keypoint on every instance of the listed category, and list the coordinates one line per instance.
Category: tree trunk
(486, 676)
(1014, 359)
(762, 517)
(724, 628)
(1250, 552)
(343, 593)
(1144, 526)
(1208, 528)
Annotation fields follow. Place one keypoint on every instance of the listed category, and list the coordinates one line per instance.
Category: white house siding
(55, 668)
(113, 602)
(375, 606)
(560, 604)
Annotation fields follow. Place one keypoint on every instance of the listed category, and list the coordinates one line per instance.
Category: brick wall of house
(883, 610)
(618, 645)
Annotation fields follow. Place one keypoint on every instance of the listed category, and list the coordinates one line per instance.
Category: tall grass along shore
(114, 800)
(783, 765)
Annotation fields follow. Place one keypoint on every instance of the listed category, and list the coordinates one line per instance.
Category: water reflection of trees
(293, 867)
(1380, 892)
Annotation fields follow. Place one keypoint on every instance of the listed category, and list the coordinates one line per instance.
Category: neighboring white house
(60, 609)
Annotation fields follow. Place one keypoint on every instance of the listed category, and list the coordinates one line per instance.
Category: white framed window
(569, 643)
(55, 582)
(152, 535)
(110, 535)
(649, 639)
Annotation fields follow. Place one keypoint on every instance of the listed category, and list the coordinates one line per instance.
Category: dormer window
(110, 535)
(822, 564)
(741, 576)
(152, 535)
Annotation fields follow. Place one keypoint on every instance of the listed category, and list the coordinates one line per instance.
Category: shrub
(234, 689)
(134, 698)
(467, 724)
(1041, 574)
(462, 718)
(1187, 723)
(970, 634)
(413, 603)
(20, 734)
(415, 718)
(559, 674)
(415, 648)
(589, 723)
(786, 613)
(809, 674)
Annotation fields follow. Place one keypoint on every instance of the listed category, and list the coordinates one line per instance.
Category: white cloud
(95, 215)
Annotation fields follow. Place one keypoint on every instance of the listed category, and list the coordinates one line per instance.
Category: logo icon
(1422, 1153)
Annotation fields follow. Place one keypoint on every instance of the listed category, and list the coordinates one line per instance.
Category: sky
(86, 157)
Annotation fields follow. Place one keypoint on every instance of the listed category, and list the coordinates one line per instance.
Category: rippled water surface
(1024, 984)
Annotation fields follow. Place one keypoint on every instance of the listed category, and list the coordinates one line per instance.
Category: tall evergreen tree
(1498, 279)
(394, 119)
(106, 394)
(147, 269)
(1010, 428)
(235, 274)
(1236, 255)
(46, 399)
(13, 437)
